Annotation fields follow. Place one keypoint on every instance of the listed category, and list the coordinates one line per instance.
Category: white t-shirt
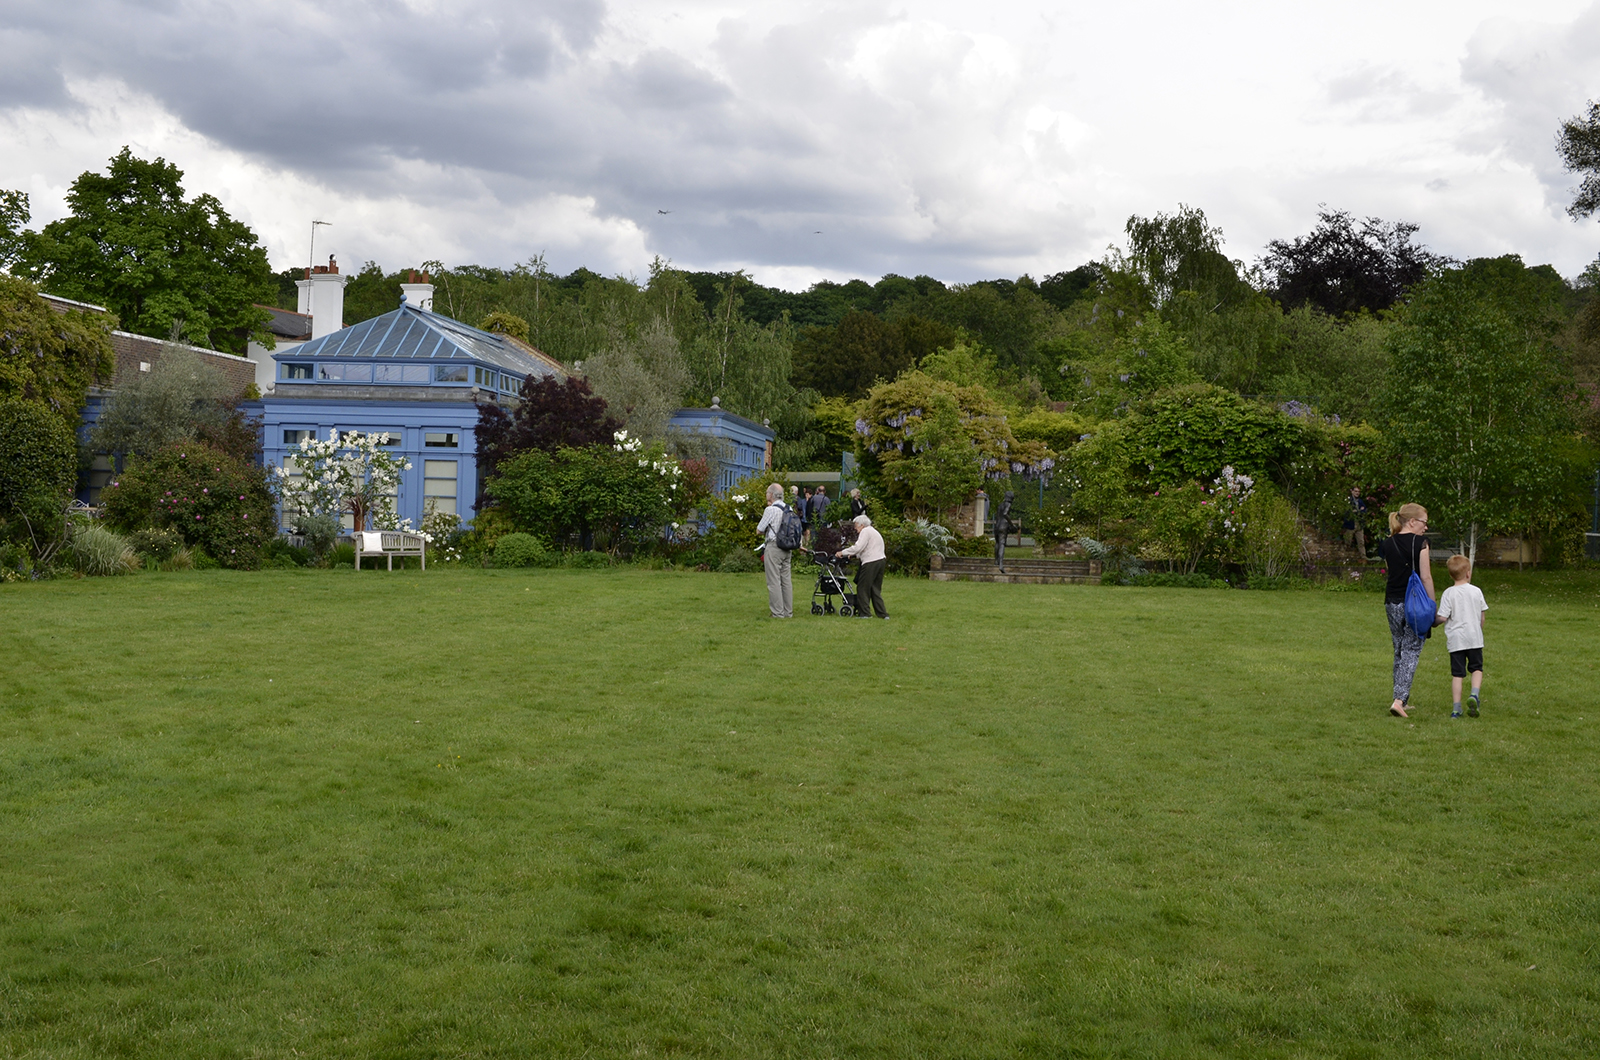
(1462, 607)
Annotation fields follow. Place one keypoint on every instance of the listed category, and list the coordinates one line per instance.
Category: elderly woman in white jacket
(869, 579)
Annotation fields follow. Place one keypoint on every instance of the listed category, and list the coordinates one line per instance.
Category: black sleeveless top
(1400, 554)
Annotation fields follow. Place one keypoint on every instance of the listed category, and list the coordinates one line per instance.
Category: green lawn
(561, 813)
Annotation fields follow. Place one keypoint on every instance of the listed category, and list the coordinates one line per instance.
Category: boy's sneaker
(1455, 713)
(1472, 706)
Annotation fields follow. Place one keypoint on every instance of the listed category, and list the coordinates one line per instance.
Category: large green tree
(1344, 266)
(1182, 251)
(167, 266)
(1578, 143)
(1478, 402)
(846, 359)
(47, 356)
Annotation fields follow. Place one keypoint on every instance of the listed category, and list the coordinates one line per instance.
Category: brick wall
(132, 350)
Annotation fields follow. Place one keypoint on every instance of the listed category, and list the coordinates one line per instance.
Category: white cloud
(941, 138)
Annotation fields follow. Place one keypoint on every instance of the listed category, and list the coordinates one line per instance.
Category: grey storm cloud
(845, 139)
(521, 95)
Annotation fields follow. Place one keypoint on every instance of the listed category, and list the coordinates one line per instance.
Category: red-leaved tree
(554, 414)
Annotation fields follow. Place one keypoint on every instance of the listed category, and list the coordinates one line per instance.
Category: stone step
(977, 563)
(1031, 571)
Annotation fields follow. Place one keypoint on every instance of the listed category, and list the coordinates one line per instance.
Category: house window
(289, 516)
(296, 437)
(449, 373)
(391, 436)
(440, 441)
(101, 470)
(400, 373)
(345, 373)
(297, 371)
(439, 485)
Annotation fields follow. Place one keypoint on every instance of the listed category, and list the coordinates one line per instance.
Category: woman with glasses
(1404, 551)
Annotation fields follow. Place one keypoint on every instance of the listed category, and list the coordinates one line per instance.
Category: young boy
(1462, 612)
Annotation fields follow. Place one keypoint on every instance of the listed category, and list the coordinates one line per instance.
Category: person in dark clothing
(819, 505)
(1403, 551)
(1355, 530)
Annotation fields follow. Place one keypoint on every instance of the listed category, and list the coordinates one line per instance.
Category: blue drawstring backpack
(1420, 607)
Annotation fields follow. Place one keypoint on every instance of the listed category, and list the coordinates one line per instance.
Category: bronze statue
(1002, 528)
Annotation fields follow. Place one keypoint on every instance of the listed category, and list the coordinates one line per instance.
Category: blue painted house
(411, 375)
(748, 447)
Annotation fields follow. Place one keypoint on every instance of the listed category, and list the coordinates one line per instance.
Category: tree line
(1353, 324)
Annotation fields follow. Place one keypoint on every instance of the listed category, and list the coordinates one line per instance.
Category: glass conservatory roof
(413, 334)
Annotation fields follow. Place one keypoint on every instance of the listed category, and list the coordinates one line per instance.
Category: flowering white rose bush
(354, 473)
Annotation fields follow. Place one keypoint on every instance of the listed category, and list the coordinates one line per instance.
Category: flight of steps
(1026, 571)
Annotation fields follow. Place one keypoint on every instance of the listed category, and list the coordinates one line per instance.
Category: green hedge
(38, 468)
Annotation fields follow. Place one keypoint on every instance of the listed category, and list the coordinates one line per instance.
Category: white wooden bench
(389, 544)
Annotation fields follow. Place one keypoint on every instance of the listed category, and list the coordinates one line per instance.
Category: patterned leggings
(1407, 651)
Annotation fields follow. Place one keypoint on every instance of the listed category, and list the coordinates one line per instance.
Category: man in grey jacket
(778, 563)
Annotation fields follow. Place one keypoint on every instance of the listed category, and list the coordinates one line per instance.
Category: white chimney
(418, 295)
(322, 296)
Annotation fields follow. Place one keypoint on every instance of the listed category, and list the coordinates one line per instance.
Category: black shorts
(1468, 660)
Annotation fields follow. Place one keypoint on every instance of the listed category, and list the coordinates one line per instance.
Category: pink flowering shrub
(216, 502)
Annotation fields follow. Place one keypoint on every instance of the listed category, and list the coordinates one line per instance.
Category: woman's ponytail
(1406, 514)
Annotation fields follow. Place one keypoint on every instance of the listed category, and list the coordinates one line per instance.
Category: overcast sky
(803, 141)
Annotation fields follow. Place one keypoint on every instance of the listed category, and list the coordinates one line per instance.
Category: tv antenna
(311, 258)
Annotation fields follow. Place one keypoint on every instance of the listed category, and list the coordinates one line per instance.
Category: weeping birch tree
(1477, 403)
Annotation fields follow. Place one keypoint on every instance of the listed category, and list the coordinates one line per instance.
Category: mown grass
(563, 813)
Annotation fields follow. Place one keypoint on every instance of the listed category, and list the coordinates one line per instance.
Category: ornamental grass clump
(99, 552)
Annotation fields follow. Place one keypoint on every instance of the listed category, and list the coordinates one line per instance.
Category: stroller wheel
(845, 610)
(816, 609)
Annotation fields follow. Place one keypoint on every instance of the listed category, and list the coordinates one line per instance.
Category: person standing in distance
(777, 562)
(1355, 530)
(869, 579)
(819, 507)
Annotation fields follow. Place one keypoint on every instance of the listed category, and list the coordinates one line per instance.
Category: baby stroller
(831, 581)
